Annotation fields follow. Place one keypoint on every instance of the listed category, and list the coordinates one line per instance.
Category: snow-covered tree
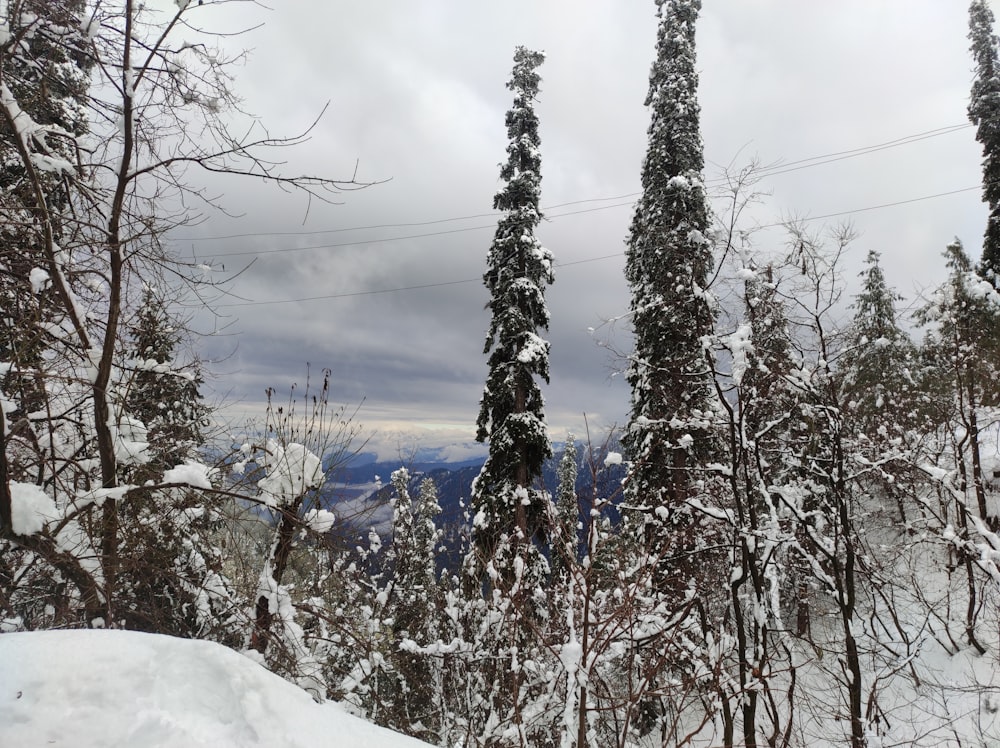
(163, 393)
(964, 315)
(283, 470)
(412, 691)
(508, 508)
(984, 113)
(668, 261)
(878, 365)
(566, 534)
(768, 361)
(53, 95)
(172, 580)
(758, 408)
(87, 203)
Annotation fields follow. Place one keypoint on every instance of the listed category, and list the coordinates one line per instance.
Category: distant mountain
(361, 492)
(365, 471)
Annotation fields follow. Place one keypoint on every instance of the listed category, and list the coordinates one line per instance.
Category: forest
(804, 549)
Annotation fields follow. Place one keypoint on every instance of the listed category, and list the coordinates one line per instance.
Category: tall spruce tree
(766, 393)
(984, 113)
(163, 396)
(963, 349)
(668, 261)
(876, 381)
(566, 542)
(166, 536)
(511, 414)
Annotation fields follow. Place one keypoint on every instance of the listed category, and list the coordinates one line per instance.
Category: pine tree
(167, 536)
(984, 113)
(163, 396)
(877, 384)
(413, 695)
(426, 533)
(566, 541)
(766, 396)
(668, 261)
(511, 414)
(963, 347)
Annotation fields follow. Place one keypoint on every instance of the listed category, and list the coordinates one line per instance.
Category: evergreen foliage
(773, 601)
(768, 361)
(511, 416)
(964, 318)
(876, 367)
(411, 692)
(984, 113)
(566, 534)
(668, 261)
(163, 395)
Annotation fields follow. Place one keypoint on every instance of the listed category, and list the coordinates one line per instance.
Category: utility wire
(864, 150)
(779, 168)
(359, 242)
(579, 262)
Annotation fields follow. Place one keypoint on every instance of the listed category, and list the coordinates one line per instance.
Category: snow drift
(118, 688)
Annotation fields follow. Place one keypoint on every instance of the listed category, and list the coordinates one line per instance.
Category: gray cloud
(417, 95)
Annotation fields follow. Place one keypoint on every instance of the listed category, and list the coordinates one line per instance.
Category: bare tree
(92, 204)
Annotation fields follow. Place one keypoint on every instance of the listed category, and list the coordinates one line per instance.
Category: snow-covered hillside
(103, 689)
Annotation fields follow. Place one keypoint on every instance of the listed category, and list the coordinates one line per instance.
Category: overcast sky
(417, 97)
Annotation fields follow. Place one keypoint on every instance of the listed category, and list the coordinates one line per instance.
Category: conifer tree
(875, 368)
(767, 396)
(163, 396)
(963, 348)
(880, 385)
(410, 694)
(511, 414)
(984, 113)
(668, 261)
(166, 536)
(566, 540)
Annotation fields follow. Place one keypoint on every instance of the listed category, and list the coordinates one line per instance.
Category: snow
(534, 349)
(30, 507)
(292, 470)
(739, 344)
(679, 182)
(102, 689)
(39, 280)
(320, 520)
(191, 472)
(24, 126)
(131, 441)
(612, 458)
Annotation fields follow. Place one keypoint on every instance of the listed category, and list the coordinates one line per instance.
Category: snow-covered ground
(104, 689)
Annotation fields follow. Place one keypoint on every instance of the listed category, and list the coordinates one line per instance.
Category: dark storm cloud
(417, 96)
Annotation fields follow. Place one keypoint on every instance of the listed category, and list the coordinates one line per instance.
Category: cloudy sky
(385, 289)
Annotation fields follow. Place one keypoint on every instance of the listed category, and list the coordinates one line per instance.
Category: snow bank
(119, 688)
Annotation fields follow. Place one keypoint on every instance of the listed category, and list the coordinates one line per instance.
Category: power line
(864, 150)
(879, 207)
(584, 261)
(780, 168)
(358, 242)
